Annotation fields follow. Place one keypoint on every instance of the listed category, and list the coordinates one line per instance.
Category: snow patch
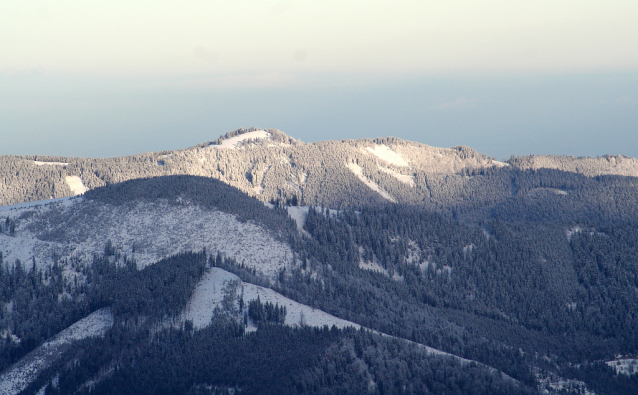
(299, 214)
(234, 142)
(17, 377)
(551, 383)
(356, 169)
(468, 249)
(214, 287)
(75, 184)
(626, 366)
(384, 153)
(373, 267)
(39, 163)
(570, 232)
(406, 179)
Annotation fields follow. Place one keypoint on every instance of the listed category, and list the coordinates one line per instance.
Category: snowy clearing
(299, 214)
(406, 179)
(19, 375)
(76, 185)
(214, 287)
(356, 169)
(233, 142)
(384, 153)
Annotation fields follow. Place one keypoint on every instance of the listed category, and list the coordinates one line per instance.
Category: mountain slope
(146, 220)
(271, 166)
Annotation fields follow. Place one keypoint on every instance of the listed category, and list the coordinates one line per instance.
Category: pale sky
(120, 77)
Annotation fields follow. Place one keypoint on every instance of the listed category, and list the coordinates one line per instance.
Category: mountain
(260, 264)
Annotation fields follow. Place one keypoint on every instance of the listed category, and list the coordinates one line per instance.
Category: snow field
(76, 185)
(386, 154)
(299, 214)
(214, 287)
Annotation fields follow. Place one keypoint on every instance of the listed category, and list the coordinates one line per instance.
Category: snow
(213, 288)
(233, 142)
(147, 232)
(550, 383)
(76, 185)
(17, 209)
(356, 169)
(386, 154)
(626, 366)
(570, 232)
(39, 163)
(406, 179)
(299, 214)
(373, 265)
(17, 377)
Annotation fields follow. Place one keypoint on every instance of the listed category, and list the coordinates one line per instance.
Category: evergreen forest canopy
(531, 272)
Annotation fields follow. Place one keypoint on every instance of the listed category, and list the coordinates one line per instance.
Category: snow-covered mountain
(423, 259)
(266, 164)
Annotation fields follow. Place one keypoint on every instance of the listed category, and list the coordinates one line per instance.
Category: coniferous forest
(487, 279)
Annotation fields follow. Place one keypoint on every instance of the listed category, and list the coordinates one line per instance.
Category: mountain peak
(243, 136)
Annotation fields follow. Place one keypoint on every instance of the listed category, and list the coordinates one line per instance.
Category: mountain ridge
(275, 167)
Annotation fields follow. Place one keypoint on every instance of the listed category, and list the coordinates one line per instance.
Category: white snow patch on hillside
(233, 142)
(17, 377)
(626, 366)
(406, 179)
(147, 232)
(75, 184)
(299, 214)
(384, 153)
(210, 292)
(39, 163)
(373, 265)
(570, 232)
(550, 383)
(356, 169)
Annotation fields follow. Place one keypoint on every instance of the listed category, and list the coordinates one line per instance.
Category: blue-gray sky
(116, 78)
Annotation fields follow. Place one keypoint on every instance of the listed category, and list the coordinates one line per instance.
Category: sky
(101, 79)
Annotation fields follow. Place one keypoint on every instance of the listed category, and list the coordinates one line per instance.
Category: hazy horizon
(102, 80)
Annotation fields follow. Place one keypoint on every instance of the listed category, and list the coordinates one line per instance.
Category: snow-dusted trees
(266, 312)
